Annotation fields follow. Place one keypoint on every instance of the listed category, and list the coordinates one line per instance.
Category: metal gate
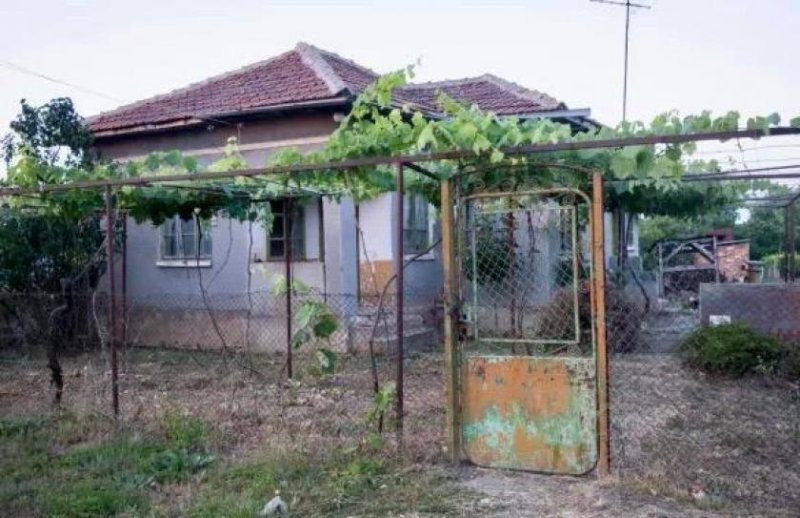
(525, 392)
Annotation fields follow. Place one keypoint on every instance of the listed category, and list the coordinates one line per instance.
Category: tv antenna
(627, 5)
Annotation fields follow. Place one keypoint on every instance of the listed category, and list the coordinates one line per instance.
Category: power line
(23, 70)
(627, 4)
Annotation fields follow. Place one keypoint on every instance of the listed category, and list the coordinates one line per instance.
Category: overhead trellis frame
(399, 163)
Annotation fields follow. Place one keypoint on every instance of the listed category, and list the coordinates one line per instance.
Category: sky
(688, 55)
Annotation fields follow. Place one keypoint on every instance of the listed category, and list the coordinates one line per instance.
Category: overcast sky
(685, 54)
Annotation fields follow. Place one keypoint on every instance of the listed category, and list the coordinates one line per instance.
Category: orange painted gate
(524, 362)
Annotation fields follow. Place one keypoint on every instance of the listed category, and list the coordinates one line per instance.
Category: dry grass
(678, 431)
(674, 431)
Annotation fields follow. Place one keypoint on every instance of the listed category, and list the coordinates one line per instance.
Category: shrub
(733, 350)
(624, 318)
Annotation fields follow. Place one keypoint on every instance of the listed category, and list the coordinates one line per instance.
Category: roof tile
(305, 74)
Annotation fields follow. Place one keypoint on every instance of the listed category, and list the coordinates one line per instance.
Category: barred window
(416, 225)
(180, 239)
(278, 232)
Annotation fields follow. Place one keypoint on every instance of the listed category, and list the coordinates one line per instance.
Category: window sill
(184, 263)
(282, 260)
(427, 257)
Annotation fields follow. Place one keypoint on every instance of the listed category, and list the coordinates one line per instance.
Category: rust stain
(540, 389)
(373, 276)
(530, 413)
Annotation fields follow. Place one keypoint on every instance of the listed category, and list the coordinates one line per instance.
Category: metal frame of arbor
(413, 162)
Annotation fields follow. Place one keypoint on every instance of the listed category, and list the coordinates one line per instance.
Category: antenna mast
(627, 4)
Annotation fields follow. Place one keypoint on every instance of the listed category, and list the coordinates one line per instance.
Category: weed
(732, 349)
(330, 484)
(49, 471)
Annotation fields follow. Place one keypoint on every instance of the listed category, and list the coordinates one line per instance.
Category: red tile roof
(305, 76)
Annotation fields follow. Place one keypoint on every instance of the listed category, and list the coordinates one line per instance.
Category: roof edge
(198, 120)
(189, 87)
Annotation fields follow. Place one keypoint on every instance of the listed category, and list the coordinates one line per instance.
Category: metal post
(599, 282)
(287, 233)
(398, 270)
(112, 305)
(451, 318)
(124, 329)
(791, 234)
(660, 270)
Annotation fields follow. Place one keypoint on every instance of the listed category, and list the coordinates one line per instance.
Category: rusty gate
(524, 355)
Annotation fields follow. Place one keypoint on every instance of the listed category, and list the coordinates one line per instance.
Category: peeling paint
(530, 413)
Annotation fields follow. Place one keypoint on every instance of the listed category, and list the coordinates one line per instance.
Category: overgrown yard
(203, 435)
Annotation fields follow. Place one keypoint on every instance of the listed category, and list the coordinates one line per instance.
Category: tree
(53, 133)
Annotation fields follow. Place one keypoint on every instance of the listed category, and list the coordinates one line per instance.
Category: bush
(735, 350)
(624, 318)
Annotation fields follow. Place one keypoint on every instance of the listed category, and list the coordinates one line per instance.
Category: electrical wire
(13, 66)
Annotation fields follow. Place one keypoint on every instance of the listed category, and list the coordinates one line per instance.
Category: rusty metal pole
(599, 282)
(112, 304)
(791, 247)
(451, 318)
(398, 271)
(124, 267)
(288, 273)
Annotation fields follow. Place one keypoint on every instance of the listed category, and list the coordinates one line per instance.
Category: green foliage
(381, 404)
(378, 125)
(39, 250)
(52, 133)
(314, 322)
(775, 265)
(733, 350)
(54, 467)
(186, 432)
(330, 483)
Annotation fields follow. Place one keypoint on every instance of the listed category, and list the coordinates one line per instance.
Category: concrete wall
(258, 139)
(771, 308)
(228, 271)
(378, 222)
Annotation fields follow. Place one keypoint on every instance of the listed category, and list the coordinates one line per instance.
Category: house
(338, 248)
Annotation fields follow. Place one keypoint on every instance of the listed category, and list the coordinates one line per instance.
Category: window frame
(202, 242)
(410, 201)
(297, 240)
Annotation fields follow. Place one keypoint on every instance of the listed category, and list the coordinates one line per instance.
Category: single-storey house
(294, 99)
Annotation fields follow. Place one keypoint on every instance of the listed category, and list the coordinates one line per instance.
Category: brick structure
(732, 257)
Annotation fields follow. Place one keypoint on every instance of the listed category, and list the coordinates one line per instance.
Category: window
(276, 241)
(180, 240)
(416, 227)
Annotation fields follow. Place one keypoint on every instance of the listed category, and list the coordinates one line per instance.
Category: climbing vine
(378, 125)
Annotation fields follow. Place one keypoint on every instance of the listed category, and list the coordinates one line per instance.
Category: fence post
(112, 305)
(124, 268)
(791, 231)
(451, 317)
(288, 273)
(599, 280)
(398, 271)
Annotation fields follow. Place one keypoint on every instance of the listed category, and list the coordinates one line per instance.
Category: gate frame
(449, 194)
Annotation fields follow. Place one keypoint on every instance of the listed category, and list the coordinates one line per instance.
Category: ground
(208, 434)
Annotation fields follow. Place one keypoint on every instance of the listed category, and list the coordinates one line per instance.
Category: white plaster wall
(377, 224)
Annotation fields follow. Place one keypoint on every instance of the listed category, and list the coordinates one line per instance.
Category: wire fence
(675, 430)
(224, 358)
(723, 432)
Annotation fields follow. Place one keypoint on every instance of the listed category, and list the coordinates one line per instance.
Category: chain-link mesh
(723, 435)
(223, 358)
(524, 276)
